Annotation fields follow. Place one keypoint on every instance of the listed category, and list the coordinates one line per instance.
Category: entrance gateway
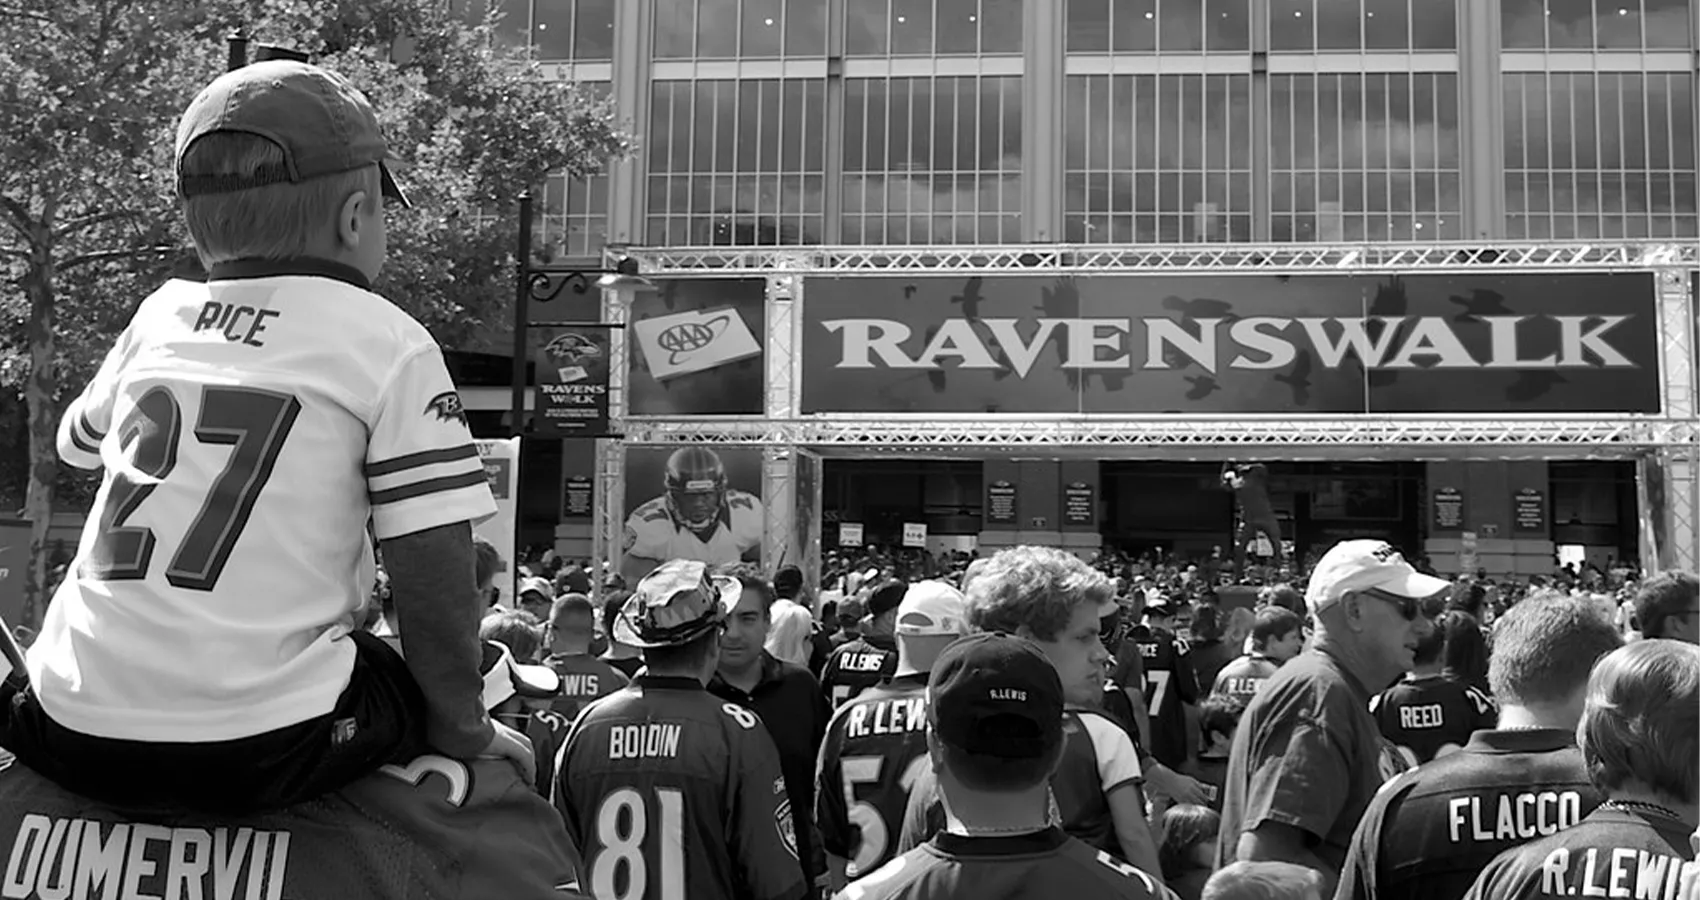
(1483, 367)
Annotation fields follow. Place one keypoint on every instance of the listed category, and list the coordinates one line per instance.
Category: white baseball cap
(505, 678)
(1363, 565)
(931, 609)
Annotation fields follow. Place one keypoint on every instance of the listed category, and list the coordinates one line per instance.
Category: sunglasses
(1409, 607)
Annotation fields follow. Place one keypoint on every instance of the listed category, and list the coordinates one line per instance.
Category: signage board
(1080, 504)
(1529, 511)
(578, 497)
(914, 534)
(850, 534)
(1184, 344)
(572, 380)
(1000, 503)
(1448, 508)
(695, 347)
(1467, 553)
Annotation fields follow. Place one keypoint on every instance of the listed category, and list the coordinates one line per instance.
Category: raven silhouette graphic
(970, 298)
(1298, 378)
(1202, 386)
(1480, 303)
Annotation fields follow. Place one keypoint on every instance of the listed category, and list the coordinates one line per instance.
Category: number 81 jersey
(250, 428)
(670, 793)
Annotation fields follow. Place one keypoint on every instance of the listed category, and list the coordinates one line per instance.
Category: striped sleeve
(89, 417)
(422, 468)
(1118, 761)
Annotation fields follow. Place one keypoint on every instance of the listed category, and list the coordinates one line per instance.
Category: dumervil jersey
(669, 792)
(875, 749)
(1169, 685)
(249, 427)
(653, 533)
(1431, 715)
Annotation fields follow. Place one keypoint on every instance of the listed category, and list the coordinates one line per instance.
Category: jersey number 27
(622, 826)
(253, 422)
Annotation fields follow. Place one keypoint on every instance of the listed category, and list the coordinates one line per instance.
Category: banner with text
(696, 348)
(1527, 343)
(572, 380)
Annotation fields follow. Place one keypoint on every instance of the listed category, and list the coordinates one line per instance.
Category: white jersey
(653, 533)
(250, 428)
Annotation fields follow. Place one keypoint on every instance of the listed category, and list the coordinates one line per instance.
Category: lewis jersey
(250, 428)
(1170, 684)
(1431, 715)
(1047, 863)
(875, 750)
(583, 678)
(1242, 676)
(1430, 832)
(1611, 853)
(856, 666)
(669, 792)
(653, 533)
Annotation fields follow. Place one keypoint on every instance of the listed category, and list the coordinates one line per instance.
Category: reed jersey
(875, 750)
(1430, 716)
(250, 428)
(671, 793)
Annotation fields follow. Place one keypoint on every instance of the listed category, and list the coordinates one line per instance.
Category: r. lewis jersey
(854, 667)
(669, 793)
(1429, 832)
(653, 533)
(1046, 863)
(1611, 853)
(250, 427)
(1430, 716)
(1170, 685)
(1242, 676)
(583, 678)
(875, 750)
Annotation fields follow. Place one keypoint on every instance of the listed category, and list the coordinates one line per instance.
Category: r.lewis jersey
(583, 678)
(1611, 853)
(1430, 716)
(1046, 863)
(653, 533)
(854, 667)
(875, 750)
(1242, 676)
(1429, 832)
(669, 793)
(1170, 685)
(250, 427)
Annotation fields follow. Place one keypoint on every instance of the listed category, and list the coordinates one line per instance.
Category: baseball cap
(505, 678)
(789, 579)
(997, 695)
(932, 608)
(676, 604)
(537, 585)
(323, 124)
(852, 608)
(886, 597)
(1363, 565)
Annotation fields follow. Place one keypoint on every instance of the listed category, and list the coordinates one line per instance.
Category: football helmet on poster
(696, 487)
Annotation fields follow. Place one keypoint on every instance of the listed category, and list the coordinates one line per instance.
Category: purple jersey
(875, 748)
(1611, 853)
(1045, 863)
(668, 791)
(854, 667)
(1431, 715)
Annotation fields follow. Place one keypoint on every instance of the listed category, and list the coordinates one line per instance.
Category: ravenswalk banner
(572, 380)
(1582, 342)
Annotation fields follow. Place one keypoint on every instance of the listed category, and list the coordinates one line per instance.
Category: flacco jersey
(1429, 832)
(250, 427)
(653, 533)
(1612, 853)
(669, 792)
(875, 749)
(1431, 715)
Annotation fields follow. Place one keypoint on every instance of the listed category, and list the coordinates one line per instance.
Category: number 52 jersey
(670, 793)
(250, 427)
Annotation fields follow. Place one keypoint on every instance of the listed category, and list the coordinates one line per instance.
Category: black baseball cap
(321, 122)
(996, 695)
(886, 597)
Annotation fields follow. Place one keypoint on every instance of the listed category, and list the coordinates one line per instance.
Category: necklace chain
(976, 831)
(1643, 806)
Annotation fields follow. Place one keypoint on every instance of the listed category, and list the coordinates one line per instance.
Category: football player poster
(572, 380)
(692, 502)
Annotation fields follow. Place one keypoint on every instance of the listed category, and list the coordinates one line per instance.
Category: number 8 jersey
(670, 793)
(250, 428)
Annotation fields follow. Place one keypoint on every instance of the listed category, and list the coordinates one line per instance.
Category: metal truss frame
(1669, 440)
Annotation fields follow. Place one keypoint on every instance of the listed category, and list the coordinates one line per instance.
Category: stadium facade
(1030, 270)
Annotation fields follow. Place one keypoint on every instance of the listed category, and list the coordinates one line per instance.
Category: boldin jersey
(1430, 716)
(1613, 853)
(875, 749)
(669, 792)
(1169, 686)
(250, 428)
(653, 533)
(1045, 863)
(1429, 832)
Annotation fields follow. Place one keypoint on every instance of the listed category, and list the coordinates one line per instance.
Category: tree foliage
(90, 94)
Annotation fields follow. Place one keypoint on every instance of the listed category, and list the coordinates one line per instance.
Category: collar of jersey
(1523, 740)
(272, 268)
(671, 682)
(1043, 841)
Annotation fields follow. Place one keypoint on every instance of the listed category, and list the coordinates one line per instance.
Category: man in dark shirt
(1250, 484)
(1171, 687)
(1639, 742)
(995, 734)
(787, 698)
(1430, 714)
(1308, 758)
(1429, 833)
(871, 658)
(567, 637)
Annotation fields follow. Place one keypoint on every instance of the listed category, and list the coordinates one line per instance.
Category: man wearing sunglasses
(1308, 758)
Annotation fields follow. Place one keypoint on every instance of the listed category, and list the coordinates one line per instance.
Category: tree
(89, 112)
